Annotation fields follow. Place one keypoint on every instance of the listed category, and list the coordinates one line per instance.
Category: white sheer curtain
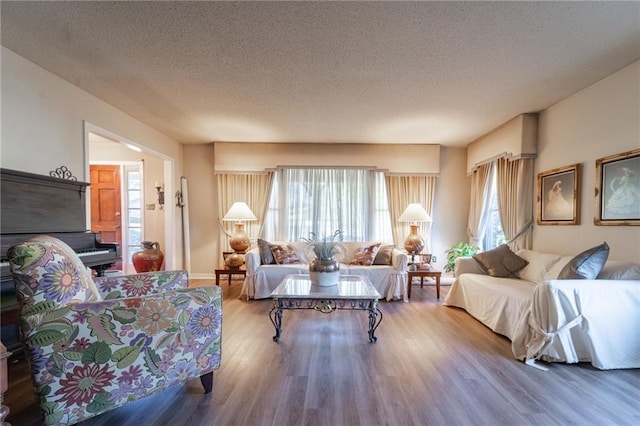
(322, 200)
(515, 200)
(404, 190)
(479, 204)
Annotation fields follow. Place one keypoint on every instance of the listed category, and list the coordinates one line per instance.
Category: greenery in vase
(325, 247)
(459, 250)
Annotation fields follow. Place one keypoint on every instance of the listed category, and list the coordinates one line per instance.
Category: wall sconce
(160, 193)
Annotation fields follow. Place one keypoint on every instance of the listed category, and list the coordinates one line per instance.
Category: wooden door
(106, 217)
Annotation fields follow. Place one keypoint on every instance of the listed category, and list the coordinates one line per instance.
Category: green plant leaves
(459, 250)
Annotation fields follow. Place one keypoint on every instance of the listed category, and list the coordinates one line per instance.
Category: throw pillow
(284, 255)
(266, 255)
(617, 270)
(384, 256)
(365, 255)
(586, 265)
(500, 262)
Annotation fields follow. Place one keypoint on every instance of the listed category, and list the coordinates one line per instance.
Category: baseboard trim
(202, 276)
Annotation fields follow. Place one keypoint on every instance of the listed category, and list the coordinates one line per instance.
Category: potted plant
(459, 250)
(324, 270)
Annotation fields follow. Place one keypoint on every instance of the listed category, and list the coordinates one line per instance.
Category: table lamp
(239, 242)
(414, 214)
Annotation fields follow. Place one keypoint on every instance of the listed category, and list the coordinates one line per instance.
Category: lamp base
(414, 242)
(239, 242)
(234, 260)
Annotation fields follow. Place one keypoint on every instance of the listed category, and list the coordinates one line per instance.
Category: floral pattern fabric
(95, 346)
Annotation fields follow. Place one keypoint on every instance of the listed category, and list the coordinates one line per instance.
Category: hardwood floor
(432, 365)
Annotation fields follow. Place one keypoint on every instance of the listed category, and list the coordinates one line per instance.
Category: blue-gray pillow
(266, 255)
(586, 265)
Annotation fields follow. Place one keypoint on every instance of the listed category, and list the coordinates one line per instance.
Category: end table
(224, 270)
(422, 273)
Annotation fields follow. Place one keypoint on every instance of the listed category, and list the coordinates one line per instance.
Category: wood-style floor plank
(432, 365)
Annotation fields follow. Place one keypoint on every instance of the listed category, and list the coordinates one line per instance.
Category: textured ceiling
(377, 72)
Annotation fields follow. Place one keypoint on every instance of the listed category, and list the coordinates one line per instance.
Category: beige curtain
(404, 190)
(252, 188)
(515, 200)
(479, 192)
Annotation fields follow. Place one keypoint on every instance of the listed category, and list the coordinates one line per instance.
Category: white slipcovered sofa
(556, 320)
(390, 279)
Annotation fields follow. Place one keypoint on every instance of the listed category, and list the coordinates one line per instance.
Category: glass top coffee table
(352, 293)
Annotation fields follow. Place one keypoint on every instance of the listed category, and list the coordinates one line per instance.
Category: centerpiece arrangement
(324, 270)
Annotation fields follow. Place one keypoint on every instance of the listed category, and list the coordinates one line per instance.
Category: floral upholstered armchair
(95, 344)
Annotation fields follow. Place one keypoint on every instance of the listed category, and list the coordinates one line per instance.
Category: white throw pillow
(542, 266)
(617, 270)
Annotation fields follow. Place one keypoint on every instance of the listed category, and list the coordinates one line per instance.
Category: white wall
(42, 127)
(601, 120)
(451, 204)
(203, 210)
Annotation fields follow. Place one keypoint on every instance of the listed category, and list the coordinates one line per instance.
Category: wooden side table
(223, 270)
(422, 273)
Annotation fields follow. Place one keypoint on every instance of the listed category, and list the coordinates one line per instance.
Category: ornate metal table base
(326, 306)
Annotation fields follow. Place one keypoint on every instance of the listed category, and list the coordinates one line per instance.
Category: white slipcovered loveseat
(556, 320)
(387, 274)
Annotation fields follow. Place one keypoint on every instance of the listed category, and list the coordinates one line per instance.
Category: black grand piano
(32, 204)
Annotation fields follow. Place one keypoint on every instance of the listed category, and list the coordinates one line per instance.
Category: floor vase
(150, 258)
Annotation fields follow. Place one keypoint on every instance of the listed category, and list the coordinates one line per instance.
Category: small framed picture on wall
(618, 189)
(558, 201)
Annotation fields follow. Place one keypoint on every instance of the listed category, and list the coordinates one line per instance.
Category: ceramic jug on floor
(150, 258)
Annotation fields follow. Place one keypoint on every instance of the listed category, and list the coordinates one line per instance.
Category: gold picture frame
(618, 189)
(558, 201)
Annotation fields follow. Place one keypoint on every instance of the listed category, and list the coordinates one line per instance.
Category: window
(493, 234)
(323, 200)
(133, 226)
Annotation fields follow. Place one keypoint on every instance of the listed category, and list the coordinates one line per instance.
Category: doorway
(143, 216)
(106, 205)
(116, 207)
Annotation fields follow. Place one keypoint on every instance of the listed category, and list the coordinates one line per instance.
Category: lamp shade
(239, 211)
(414, 213)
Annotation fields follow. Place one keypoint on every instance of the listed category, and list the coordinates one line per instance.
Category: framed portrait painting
(558, 196)
(618, 189)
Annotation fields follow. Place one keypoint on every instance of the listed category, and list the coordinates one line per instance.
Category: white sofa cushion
(496, 302)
